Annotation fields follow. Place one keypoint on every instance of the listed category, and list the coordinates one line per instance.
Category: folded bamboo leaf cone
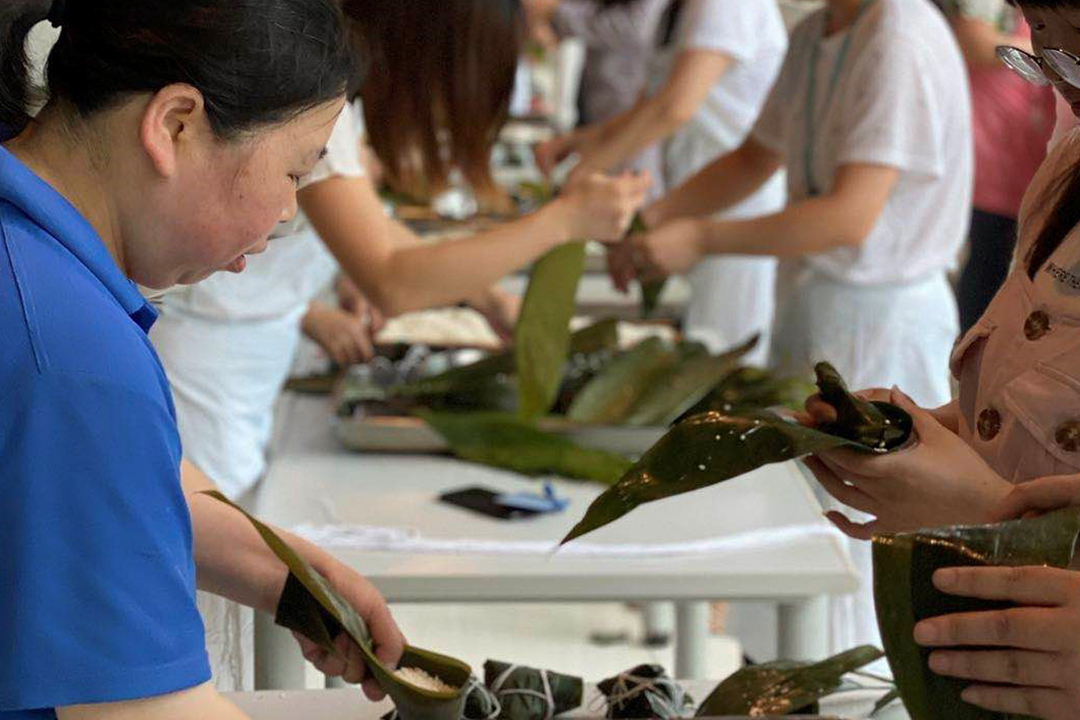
(904, 565)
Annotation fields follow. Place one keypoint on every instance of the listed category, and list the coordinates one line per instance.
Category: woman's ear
(174, 115)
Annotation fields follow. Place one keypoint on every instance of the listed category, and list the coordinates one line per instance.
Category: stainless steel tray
(403, 434)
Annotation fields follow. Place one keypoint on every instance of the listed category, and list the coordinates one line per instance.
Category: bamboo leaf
(857, 419)
(749, 388)
(542, 334)
(651, 293)
(685, 385)
(888, 699)
(603, 335)
(505, 441)
(783, 687)
(311, 606)
(652, 290)
(609, 396)
(904, 565)
(713, 447)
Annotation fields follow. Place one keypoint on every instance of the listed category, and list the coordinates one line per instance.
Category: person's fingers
(363, 348)
(875, 394)
(389, 642)
(331, 665)
(372, 689)
(1015, 667)
(309, 649)
(821, 411)
(1039, 496)
(355, 670)
(1022, 628)
(1042, 703)
(647, 264)
(376, 320)
(339, 353)
(863, 470)
(924, 423)
(619, 268)
(858, 531)
(849, 495)
(1039, 586)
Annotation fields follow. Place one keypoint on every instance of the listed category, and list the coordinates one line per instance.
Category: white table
(350, 704)
(312, 481)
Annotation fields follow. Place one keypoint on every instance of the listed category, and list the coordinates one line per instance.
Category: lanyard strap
(811, 94)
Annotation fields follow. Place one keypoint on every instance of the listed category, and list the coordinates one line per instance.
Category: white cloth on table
(407, 540)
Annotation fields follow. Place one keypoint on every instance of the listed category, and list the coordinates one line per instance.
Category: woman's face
(1056, 28)
(223, 200)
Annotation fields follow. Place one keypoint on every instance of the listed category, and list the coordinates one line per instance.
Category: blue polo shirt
(97, 580)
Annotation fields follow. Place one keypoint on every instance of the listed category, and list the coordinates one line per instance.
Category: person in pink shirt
(1012, 121)
(1010, 443)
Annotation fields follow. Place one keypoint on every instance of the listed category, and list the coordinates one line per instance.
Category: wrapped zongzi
(530, 694)
(645, 692)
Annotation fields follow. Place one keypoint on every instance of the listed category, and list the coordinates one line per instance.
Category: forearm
(720, 185)
(426, 275)
(231, 558)
(806, 228)
(397, 273)
(202, 702)
(627, 135)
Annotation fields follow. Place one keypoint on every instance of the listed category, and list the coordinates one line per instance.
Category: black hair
(1064, 192)
(256, 62)
(669, 22)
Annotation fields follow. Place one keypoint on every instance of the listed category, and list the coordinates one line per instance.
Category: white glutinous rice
(419, 678)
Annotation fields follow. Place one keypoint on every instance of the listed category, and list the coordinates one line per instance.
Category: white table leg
(692, 630)
(659, 623)
(278, 662)
(804, 629)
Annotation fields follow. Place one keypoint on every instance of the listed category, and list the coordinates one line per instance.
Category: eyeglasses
(1033, 68)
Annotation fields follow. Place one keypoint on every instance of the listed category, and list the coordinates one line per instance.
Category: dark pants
(993, 240)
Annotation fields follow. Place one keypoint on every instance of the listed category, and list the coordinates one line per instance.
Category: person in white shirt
(710, 74)
(871, 118)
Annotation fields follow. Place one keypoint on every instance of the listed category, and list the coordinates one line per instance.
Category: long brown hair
(439, 78)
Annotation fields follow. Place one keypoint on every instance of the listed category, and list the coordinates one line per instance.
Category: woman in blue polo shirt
(167, 120)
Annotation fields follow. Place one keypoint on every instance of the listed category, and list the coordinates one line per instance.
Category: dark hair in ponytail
(1064, 193)
(256, 62)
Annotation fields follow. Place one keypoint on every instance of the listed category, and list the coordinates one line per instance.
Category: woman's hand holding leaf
(937, 480)
(1038, 497)
(600, 207)
(671, 249)
(387, 640)
(1023, 660)
(620, 263)
(500, 309)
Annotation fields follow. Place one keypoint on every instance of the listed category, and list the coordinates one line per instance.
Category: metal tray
(403, 434)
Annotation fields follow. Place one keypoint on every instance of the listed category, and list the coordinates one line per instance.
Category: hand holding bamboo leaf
(937, 480)
(1001, 593)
